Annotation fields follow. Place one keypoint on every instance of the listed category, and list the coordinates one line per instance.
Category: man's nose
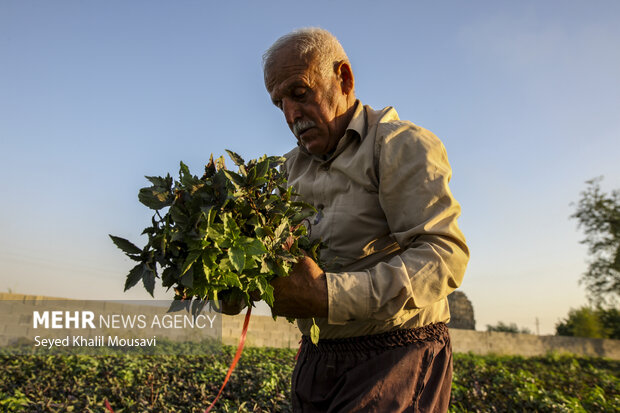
(291, 110)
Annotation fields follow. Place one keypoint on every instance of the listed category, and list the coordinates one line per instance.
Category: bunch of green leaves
(222, 236)
(262, 379)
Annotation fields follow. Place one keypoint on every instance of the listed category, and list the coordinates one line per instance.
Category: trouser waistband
(383, 341)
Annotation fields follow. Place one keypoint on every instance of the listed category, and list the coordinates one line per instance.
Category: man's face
(312, 103)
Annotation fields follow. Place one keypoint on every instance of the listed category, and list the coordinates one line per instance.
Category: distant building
(461, 312)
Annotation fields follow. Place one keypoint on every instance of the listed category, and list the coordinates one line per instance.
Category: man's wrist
(323, 304)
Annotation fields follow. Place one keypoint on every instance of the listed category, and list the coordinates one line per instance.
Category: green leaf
(134, 276)
(216, 233)
(238, 160)
(287, 256)
(148, 280)
(230, 226)
(206, 209)
(250, 263)
(303, 214)
(197, 306)
(178, 305)
(255, 247)
(206, 269)
(267, 295)
(282, 229)
(183, 170)
(158, 181)
(209, 169)
(276, 268)
(169, 276)
(226, 265)
(188, 278)
(237, 257)
(209, 256)
(125, 245)
(155, 198)
(231, 279)
(253, 220)
(264, 267)
(259, 182)
(237, 180)
(276, 160)
(178, 216)
(262, 168)
(191, 258)
(314, 333)
(264, 232)
(220, 164)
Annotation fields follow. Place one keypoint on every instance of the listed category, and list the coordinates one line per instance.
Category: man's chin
(315, 146)
(314, 149)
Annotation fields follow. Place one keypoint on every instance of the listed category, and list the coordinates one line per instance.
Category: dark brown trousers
(400, 371)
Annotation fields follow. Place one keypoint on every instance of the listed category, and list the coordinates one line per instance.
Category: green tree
(591, 322)
(610, 319)
(508, 328)
(598, 213)
(582, 322)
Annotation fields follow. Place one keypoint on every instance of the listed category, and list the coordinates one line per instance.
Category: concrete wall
(264, 331)
(479, 342)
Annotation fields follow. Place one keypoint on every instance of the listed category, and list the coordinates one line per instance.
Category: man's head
(309, 77)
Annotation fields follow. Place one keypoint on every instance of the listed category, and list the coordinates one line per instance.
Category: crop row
(261, 381)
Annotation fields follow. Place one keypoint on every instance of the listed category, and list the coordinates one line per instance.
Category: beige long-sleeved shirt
(388, 218)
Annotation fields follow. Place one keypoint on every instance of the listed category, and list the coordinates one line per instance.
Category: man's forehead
(286, 74)
(287, 64)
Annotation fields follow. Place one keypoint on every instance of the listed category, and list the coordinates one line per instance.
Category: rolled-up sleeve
(413, 176)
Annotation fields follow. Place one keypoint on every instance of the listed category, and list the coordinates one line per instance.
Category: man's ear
(345, 74)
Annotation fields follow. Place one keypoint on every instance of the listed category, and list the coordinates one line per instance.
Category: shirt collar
(357, 123)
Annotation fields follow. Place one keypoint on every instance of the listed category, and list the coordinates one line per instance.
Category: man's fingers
(232, 307)
(255, 295)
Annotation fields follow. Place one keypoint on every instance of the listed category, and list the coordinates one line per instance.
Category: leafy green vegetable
(262, 382)
(223, 235)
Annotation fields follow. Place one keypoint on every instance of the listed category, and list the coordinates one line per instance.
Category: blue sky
(95, 95)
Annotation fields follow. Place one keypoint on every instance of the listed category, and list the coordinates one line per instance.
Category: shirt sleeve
(422, 216)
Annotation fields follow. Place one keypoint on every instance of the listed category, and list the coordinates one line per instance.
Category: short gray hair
(310, 42)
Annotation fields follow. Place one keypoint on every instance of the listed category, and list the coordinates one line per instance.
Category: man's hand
(303, 294)
(232, 305)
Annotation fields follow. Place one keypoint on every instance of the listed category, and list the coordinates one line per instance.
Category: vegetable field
(261, 382)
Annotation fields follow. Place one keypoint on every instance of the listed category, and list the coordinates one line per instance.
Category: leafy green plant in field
(13, 403)
(261, 383)
(224, 235)
(543, 384)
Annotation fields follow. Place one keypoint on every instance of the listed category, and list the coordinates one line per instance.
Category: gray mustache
(301, 125)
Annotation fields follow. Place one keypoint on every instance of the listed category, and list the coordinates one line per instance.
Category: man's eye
(299, 92)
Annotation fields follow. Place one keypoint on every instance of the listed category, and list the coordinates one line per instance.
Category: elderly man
(394, 250)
